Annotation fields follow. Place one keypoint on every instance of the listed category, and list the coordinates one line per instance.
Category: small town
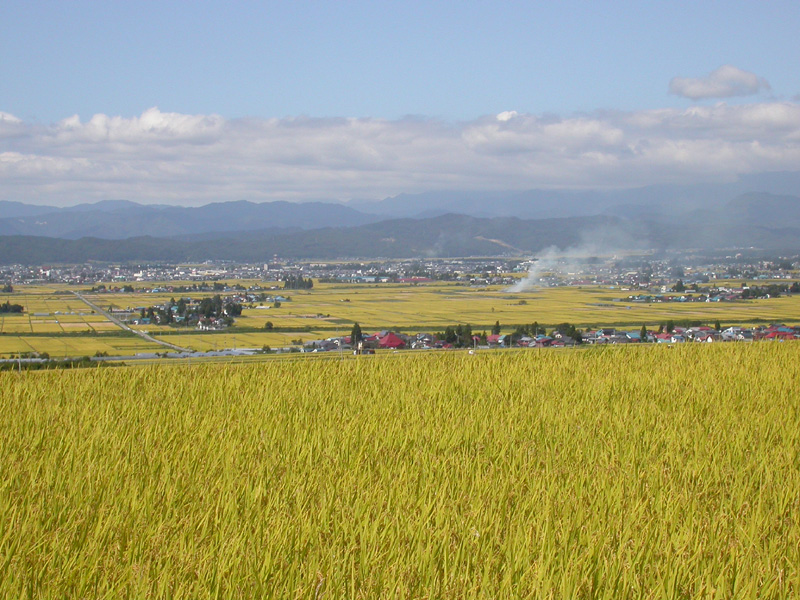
(644, 272)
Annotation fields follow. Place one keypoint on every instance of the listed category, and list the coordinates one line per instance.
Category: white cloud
(725, 82)
(8, 118)
(193, 159)
(507, 115)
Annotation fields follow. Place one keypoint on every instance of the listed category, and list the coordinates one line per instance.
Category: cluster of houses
(396, 341)
(676, 336)
(694, 334)
(720, 296)
(187, 308)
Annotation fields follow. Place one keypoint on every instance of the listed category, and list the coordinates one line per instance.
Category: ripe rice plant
(614, 472)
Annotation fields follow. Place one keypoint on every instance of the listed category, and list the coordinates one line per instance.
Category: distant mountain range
(120, 219)
(651, 201)
(756, 220)
(664, 217)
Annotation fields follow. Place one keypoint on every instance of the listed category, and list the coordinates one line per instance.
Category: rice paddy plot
(230, 339)
(60, 346)
(16, 323)
(619, 472)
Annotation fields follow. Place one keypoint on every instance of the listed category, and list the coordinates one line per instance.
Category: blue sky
(416, 79)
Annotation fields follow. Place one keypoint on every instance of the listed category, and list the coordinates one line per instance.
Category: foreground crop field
(606, 473)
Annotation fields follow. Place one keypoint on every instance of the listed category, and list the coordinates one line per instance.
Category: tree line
(7, 307)
(297, 282)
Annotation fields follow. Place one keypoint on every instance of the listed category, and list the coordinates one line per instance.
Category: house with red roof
(391, 340)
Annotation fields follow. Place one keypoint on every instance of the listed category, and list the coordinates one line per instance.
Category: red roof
(390, 340)
(779, 334)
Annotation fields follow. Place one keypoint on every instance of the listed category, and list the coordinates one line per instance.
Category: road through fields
(125, 327)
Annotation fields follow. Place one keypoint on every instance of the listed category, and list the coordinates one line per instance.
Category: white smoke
(609, 245)
(539, 266)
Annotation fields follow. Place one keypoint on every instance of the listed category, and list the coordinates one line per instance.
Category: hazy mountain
(671, 216)
(532, 204)
(10, 209)
(650, 201)
(120, 219)
(446, 235)
(768, 210)
(753, 220)
(112, 206)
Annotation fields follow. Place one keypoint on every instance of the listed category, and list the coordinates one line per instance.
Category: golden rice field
(434, 306)
(616, 472)
(331, 309)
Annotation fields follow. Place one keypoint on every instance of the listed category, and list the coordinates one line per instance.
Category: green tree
(463, 335)
(355, 334)
(679, 287)
(670, 326)
(233, 309)
(268, 325)
(643, 333)
(7, 307)
(496, 328)
(717, 325)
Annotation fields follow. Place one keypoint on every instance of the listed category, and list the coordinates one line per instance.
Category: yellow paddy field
(609, 473)
(331, 309)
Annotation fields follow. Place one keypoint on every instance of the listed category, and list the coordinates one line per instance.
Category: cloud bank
(195, 159)
(725, 82)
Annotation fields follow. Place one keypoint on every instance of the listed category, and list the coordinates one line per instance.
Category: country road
(123, 326)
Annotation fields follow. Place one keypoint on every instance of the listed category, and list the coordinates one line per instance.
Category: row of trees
(459, 336)
(7, 307)
(670, 325)
(297, 282)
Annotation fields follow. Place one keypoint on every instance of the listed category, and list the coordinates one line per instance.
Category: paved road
(122, 325)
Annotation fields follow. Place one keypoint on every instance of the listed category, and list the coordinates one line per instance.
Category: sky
(194, 102)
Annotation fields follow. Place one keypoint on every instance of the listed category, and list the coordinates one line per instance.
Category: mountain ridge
(447, 235)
